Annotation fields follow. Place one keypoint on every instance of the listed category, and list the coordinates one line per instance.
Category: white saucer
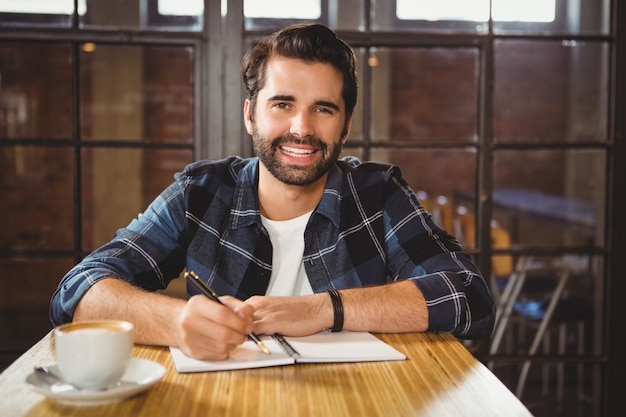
(140, 375)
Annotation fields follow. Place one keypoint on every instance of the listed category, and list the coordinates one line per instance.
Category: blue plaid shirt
(368, 229)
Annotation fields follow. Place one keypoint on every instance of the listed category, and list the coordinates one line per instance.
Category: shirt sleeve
(457, 296)
(147, 253)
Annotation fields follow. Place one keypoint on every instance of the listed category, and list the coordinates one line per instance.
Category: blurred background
(502, 115)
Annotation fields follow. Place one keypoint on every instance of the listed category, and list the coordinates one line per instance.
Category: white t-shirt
(288, 274)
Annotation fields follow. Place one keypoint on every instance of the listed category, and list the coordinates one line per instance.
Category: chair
(531, 291)
(535, 295)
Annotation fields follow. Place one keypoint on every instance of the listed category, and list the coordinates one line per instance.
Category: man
(295, 240)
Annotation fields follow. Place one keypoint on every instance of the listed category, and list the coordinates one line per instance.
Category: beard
(294, 174)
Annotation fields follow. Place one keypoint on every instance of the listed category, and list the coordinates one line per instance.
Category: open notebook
(320, 347)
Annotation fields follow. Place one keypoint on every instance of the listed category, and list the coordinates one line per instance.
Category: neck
(280, 201)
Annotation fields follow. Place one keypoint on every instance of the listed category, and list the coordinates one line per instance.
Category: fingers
(243, 310)
(292, 316)
(209, 330)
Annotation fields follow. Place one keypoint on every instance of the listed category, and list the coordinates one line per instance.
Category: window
(91, 130)
(501, 116)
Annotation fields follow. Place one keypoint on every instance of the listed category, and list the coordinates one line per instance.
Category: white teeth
(297, 151)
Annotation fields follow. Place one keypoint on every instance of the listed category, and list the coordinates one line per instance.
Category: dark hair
(308, 42)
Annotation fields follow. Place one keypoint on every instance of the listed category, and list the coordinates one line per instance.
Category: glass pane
(470, 10)
(118, 184)
(36, 185)
(37, 6)
(509, 16)
(276, 14)
(29, 107)
(142, 14)
(347, 15)
(136, 93)
(551, 91)
(529, 11)
(437, 176)
(431, 16)
(26, 286)
(180, 8)
(283, 9)
(590, 17)
(424, 94)
(57, 13)
(550, 197)
(476, 10)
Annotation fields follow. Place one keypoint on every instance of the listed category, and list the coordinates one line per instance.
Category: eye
(326, 107)
(326, 110)
(281, 105)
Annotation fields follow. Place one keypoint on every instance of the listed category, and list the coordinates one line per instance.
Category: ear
(247, 116)
(347, 131)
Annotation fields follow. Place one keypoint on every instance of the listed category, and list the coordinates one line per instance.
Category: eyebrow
(281, 97)
(329, 104)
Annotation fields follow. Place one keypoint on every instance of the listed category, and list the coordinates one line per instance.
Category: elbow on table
(481, 317)
(472, 318)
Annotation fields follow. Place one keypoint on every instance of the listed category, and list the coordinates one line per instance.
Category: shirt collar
(330, 204)
(245, 210)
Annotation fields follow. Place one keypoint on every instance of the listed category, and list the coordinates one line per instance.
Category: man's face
(299, 123)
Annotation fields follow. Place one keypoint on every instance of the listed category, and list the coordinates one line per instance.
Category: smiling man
(296, 239)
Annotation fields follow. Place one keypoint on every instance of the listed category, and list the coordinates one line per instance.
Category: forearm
(154, 315)
(392, 308)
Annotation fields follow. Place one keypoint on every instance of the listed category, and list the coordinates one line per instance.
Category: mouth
(297, 152)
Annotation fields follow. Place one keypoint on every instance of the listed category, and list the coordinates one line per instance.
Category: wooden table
(439, 378)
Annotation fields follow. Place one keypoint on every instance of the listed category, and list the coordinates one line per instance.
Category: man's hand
(210, 331)
(291, 316)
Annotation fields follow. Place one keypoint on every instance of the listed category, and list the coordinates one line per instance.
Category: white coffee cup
(95, 353)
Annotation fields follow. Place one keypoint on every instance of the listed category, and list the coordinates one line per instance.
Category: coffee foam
(95, 326)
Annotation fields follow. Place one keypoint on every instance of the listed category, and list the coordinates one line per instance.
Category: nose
(302, 125)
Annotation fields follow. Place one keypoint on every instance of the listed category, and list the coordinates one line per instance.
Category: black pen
(201, 286)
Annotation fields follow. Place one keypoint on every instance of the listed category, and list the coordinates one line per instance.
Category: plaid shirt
(368, 229)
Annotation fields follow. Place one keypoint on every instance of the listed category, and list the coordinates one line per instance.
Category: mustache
(291, 139)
